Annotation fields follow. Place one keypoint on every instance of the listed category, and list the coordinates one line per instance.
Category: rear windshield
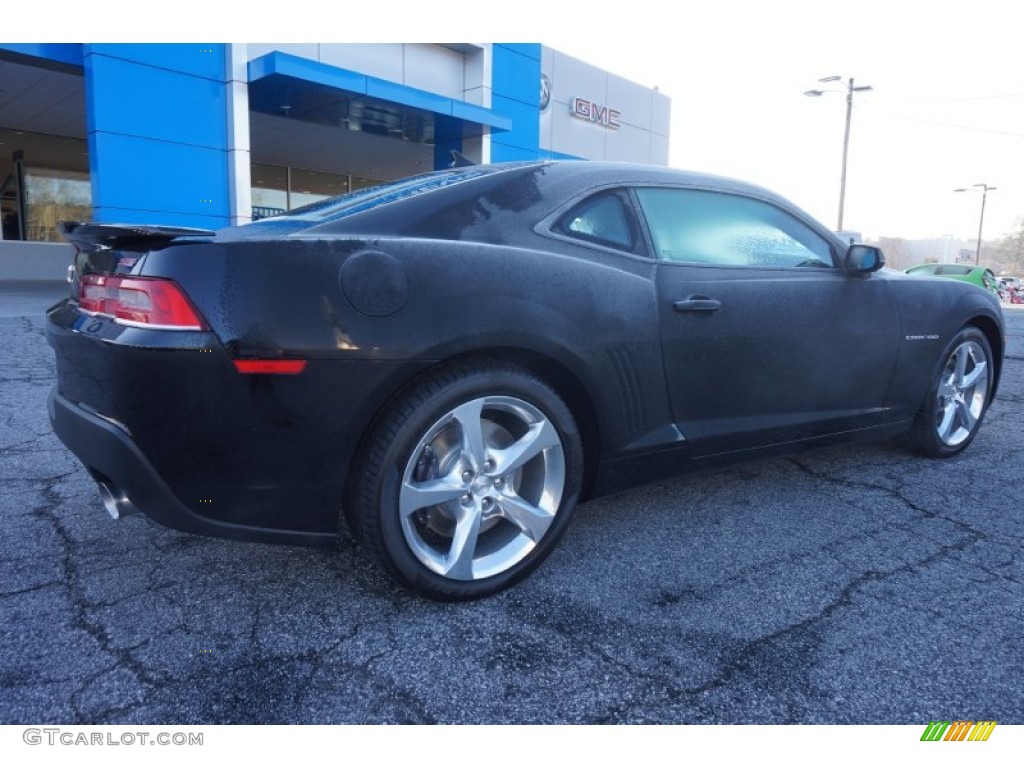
(372, 197)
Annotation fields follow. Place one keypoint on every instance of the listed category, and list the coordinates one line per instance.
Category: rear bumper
(111, 456)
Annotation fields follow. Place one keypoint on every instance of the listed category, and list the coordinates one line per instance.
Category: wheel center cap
(482, 485)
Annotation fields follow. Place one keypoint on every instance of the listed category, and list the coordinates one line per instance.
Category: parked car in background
(1011, 289)
(449, 363)
(969, 273)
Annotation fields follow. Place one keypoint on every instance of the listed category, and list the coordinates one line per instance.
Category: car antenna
(459, 160)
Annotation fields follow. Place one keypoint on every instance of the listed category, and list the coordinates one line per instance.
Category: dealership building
(209, 135)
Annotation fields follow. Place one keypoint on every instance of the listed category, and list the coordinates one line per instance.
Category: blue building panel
(63, 53)
(306, 71)
(529, 50)
(140, 100)
(200, 59)
(161, 181)
(516, 76)
(503, 153)
(286, 64)
(472, 113)
(132, 216)
(525, 130)
(515, 91)
(158, 135)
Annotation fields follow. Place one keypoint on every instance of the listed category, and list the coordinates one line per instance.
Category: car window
(604, 219)
(701, 227)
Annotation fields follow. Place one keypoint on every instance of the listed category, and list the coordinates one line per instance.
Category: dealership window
(53, 196)
(278, 189)
(44, 179)
(702, 227)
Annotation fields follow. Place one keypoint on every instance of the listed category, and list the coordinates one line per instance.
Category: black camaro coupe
(451, 362)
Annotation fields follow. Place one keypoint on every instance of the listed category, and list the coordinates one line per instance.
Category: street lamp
(850, 90)
(985, 189)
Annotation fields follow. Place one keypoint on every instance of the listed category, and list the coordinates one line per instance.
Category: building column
(239, 155)
(163, 133)
(515, 91)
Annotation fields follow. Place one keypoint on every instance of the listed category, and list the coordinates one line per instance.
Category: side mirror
(861, 259)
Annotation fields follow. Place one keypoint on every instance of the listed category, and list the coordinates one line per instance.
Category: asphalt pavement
(856, 584)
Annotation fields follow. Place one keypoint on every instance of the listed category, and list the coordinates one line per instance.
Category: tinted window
(701, 227)
(603, 219)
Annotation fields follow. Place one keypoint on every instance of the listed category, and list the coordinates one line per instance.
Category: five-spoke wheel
(962, 393)
(469, 481)
(956, 401)
(482, 487)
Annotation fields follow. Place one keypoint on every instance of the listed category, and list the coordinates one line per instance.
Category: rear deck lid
(117, 248)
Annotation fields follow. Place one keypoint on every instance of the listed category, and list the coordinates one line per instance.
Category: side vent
(629, 388)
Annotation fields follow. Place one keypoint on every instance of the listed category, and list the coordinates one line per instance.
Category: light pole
(985, 189)
(850, 90)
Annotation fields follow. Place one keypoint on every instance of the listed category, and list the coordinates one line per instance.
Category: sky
(946, 109)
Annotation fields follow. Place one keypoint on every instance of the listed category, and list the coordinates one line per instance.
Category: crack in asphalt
(28, 590)
(80, 605)
(372, 657)
(892, 492)
(740, 660)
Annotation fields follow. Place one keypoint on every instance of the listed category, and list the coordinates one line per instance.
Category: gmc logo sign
(595, 113)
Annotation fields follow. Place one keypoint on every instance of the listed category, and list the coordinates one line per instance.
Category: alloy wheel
(962, 391)
(482, 487)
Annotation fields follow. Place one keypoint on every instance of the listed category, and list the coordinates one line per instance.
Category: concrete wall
(34, 261)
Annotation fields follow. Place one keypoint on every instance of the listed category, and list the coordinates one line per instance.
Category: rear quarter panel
(582, 309)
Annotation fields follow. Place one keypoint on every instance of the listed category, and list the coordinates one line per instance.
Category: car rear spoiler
(125, 237)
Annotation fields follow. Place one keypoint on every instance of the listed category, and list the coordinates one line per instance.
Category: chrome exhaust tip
(117, 504)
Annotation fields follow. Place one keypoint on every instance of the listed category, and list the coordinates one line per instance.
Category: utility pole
(985, 189)
(850, 90)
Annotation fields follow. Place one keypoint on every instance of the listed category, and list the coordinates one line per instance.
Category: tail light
(142, 302)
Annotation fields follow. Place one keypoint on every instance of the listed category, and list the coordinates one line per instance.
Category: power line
(953, 125)
(966, 98)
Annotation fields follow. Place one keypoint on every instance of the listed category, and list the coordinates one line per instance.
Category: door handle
(697, 303)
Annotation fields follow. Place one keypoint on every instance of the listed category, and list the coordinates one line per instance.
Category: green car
(982, 276)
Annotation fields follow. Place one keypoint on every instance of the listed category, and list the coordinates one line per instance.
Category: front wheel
(958, 396)
(468, 481)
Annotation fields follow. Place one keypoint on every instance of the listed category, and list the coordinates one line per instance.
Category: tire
(958, 395)
(467, 481)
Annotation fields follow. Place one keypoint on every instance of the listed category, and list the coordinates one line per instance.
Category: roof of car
(550, 179)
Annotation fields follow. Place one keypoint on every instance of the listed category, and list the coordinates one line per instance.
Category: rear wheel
(958, 397)
(468, 481)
